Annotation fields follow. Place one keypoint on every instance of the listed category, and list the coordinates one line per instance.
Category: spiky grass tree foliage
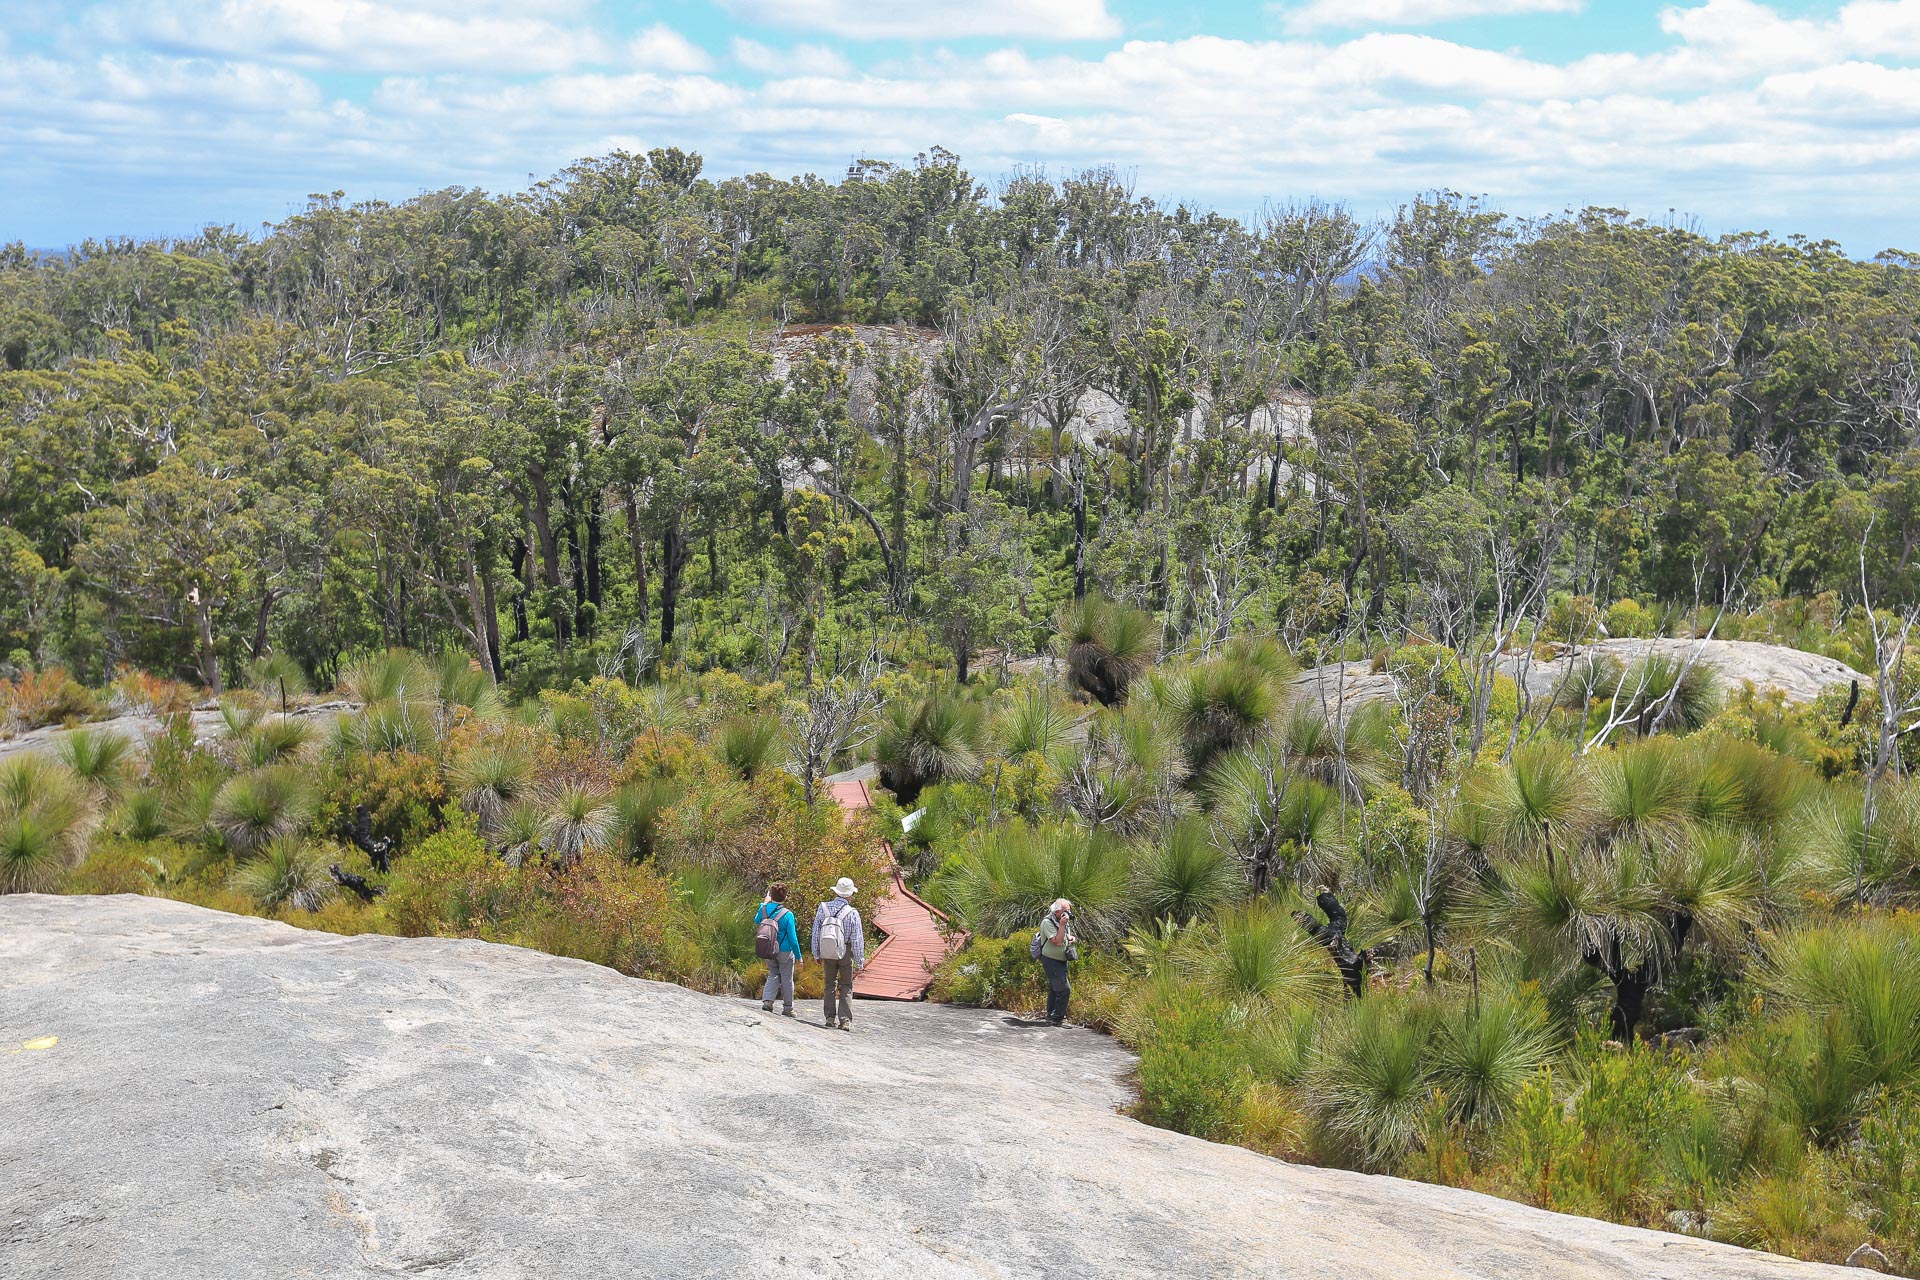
(285, 873)
(1033, 721)
(721, 912)
(934, 739)
(1278, 824)
(1107, 646)
(460, 681)
(1184, 876)
(1744, 784)
(637, 809)
(522, 831)
(1658, 691)
(45, 812)
(1487, 1047)
(1541, 801)
(489, 779)
(1709, 889)
(273, 740)
(269, 675)
(578, 819)
(1842, 860)
(1368, 1084)
(251, 810)
(398, 675)
(1859, 978)
(1644, 790)
(1261, 957)
(1352, 754)
(142, 815)
(390, 726)
(1217, 706)
(1007, 876)
(749, 744)
(99, 759)
(1601, 909)
(1125, 779)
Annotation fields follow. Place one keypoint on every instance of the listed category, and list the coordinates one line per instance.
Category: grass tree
(1259, 957)
(252, 810)
(1007, 876)
(1488, 1047)
(1107, 645)
(1125, 779)
(1217, 706)
(749, 744)
(578, 818)
(285, 873)
(1350, 753)
(45, 813)
(489, 779)
(936, 738)
(1540, 801)
(1644, 791)
(1184, 876)
(1034, 721)
(99, 759)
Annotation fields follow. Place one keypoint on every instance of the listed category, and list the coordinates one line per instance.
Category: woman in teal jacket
(780, 968)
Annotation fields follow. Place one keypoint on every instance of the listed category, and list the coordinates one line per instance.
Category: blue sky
(157, 116)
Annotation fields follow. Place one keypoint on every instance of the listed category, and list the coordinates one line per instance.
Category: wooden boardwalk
(912, 944)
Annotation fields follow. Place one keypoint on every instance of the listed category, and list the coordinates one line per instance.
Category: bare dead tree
(836, 716)
(1897, 706)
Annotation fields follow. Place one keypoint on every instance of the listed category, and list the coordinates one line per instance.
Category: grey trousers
(839, 973)
(1059, 990)
(779, 980)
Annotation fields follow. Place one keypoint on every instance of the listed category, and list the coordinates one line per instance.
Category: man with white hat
(841, 948)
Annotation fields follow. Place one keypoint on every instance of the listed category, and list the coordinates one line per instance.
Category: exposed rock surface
(143, 729)
(235, 1098)
(1801, 676)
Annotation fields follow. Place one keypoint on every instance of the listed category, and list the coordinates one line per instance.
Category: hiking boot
(846, 1024)
(786, 1013)
(766, 1006)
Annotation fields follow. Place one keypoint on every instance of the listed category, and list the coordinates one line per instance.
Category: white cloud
(1744, 114)
(935, 19)
(1353, 14)
(800, 60)
(360, 35)
(661, 48)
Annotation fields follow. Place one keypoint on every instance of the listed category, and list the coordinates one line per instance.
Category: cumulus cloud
(800, 60)
(1744, 113)
(662, 48)
(1352, 14)
(935, 19)
(360, 35)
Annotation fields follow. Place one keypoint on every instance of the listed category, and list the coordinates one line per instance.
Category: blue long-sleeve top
(789, 932)
(849, 929)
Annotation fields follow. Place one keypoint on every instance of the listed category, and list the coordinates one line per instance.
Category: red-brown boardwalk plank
(911, 946)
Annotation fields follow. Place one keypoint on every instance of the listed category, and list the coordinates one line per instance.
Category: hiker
(776, 939)
(1053, 945)
(839, 945)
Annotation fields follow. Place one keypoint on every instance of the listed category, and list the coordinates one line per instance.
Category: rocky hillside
(191, 1094)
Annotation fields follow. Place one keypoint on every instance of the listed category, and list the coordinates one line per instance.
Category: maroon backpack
(766, 938)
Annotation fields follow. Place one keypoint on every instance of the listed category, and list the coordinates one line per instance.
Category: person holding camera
(1054, 945)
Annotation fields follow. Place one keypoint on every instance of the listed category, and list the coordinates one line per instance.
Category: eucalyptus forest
(1345, 614)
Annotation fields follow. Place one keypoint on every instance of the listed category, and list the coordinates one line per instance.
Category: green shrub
(992, 973)
(1193, 1067)
(1627, 618)
(451, 883)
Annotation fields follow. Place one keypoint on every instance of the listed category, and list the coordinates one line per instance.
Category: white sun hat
(844, 889)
